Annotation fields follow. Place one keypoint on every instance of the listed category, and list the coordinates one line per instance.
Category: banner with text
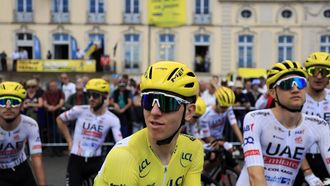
(56, 66)
(167, 13)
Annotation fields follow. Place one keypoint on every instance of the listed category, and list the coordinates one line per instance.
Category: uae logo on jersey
(298, 140)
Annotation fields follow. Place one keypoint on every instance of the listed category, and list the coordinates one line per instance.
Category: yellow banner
(251, 72)
(167, 13)
(56, 66)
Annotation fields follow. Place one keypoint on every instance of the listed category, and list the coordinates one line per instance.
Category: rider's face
(9, 112)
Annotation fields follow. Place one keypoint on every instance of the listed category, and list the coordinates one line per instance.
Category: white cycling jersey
(90, 130)
(12, 143)
(320, 109)
(196, 130)
(268, 144)
(216, 121)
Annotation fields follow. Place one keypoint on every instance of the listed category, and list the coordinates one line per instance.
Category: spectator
(137, 111)
(23, 54)
(15, 56)
(241, 98)
(49, 55)
(68, 87)
(121, 99)
(208, 94)
(79, 97)
(53, 102)
(3, 60)
(33, 102)
(262, 86)
(80, 54)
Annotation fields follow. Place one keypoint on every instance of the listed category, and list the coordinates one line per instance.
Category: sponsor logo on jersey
(277, 137)
(298, 140)
(276, 179)
(248, 128)
(253, 152)
(327, 160)
(285, 151)
(299, 132)
(281, 161)
(11, 148)
(275, 169)
(115, 184)
(248, 140)
(319, 121)
(153, 184)
(94, 130)
(262, 113)
(278, 129)
(144, 168)
(176, 182)
(186, 159)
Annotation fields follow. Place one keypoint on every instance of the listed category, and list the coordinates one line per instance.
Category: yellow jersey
(132, 162)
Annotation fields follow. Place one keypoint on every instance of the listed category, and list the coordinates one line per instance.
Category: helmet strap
(168, 140)
(285, 107)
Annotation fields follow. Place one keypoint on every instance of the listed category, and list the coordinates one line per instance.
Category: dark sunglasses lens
(94, 95)
(289, 83)
(166, 104)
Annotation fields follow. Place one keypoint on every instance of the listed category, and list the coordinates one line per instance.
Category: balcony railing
(133, 18)
(202, 18)
(23, 16)
(96, 17)
(60, 17)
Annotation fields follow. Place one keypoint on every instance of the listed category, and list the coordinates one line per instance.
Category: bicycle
(220, 174)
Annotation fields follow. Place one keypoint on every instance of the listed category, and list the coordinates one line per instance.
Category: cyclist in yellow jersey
(159, 154)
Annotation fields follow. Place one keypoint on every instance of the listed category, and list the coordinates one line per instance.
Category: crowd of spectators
(62, 93)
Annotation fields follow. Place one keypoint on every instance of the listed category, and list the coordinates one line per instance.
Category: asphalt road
(55, 168)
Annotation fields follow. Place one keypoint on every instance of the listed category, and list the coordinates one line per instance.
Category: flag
(74, 47)
(36, 45)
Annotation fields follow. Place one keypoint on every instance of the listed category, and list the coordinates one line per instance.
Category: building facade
(218, 37)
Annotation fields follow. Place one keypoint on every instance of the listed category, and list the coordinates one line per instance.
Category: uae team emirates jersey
(268, 144)
(90, 130)
(12, 143)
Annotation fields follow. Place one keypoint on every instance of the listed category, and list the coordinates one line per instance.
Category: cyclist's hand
(326, 182)
(228, 146)
(312, 180)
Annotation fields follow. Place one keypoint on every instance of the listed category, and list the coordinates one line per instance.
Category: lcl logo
(144, 168)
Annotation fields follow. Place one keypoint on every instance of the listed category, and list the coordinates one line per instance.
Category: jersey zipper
(164, 180)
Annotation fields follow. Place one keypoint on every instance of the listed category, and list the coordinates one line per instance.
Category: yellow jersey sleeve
(193, 177)
(117, 169)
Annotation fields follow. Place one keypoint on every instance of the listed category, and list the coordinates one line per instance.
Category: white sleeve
(261, 102)
(251, 143)
(205, 129)
(231, 116)
(324, 143)
(71, 114)
(115, 127)
(34, 139)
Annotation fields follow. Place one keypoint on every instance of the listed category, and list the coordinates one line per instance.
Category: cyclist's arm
(193, 177)
(306, 168)
(324, 143)
(237, 132)
(38, 169)
(116, 133)
(119, 168)
(65, 131)
(36, 153)
(252, 151)
(256, 176)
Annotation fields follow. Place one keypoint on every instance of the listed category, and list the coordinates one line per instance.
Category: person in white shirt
(93, 123)
(68, 87)
(276, 140)
(208, 94)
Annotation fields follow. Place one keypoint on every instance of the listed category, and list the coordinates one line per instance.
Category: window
(61, 6)
(24, 5)
(202, 7)
(132, 6)
(246, 13)
(132, 51)
(245, 51)
(96, 6)
(202, 60)
(325, 43)
(166, 47)
(132, 11)
(326, 13)
(286, 14)
(285, 48)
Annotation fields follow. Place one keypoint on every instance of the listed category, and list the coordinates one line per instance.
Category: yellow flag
(167, 13)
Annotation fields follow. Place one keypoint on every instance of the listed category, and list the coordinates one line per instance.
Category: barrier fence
(51, 137)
